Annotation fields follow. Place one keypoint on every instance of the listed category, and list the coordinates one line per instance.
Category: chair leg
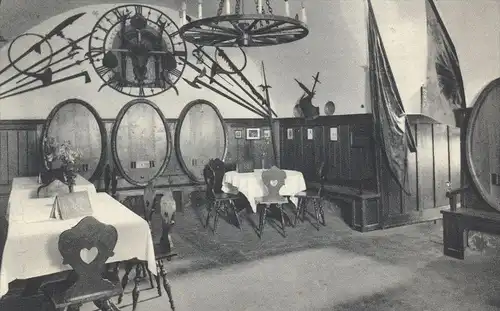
(157, 277)
(167, 286)
(150, 275)
(209, 210)
(262, 220)
(216, 217)
(298, 211)
(316, 212)
(280, 206)
(128, 267)
(136, 291)
(321, 212)
(236, 214)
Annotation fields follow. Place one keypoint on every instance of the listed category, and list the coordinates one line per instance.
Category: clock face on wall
(137, 51)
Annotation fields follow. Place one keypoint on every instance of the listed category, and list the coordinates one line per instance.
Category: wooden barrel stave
(141, 143)
(201, 135)
(483, 144)
(76, 121)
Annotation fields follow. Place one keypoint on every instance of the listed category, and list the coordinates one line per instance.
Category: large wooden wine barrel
(140, 142)
(200, 135)
(79, 123)
(483, 144)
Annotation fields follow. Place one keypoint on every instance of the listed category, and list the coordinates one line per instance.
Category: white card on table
(71, 205)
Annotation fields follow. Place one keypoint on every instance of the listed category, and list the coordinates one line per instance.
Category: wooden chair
(314, 196)
(85, 247)
(162, 249)
(273, 180)
(218, 201)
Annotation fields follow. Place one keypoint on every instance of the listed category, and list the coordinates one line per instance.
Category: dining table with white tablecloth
(251, 185)
(31, 247)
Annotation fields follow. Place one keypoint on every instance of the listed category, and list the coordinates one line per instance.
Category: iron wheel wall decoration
(244, 30)
(141, 49)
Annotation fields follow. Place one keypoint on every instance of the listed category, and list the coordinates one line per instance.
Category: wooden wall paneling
(425, 158)
(441, 164)
(410, 201)
(308, 153)
(22, 143)
(32, 152)
(173, 167)
(319, 150)
(4, 157)
(12, 154)
(332, 150)
(345, 152)
(454, 147)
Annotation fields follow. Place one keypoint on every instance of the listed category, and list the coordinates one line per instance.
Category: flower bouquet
(60, 159)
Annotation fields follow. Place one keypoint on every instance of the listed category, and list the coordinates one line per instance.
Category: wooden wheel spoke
(212, 32)
(224, 29)
(220, 41)
(269, 27)
(252, 25)
(278, 29)
(284, 34)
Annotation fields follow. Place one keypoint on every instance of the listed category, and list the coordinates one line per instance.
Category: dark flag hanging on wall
(392, 131)
(444, 84)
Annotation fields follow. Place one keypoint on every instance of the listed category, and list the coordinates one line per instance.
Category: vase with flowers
(60, 161)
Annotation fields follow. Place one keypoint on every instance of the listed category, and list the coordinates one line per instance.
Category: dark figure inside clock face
(137, 50)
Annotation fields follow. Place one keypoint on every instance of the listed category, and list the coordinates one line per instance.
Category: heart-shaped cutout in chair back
(88, 254)
(274, 183)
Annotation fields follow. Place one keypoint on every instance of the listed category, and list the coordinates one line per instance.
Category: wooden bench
(363, 212)
(457, 223)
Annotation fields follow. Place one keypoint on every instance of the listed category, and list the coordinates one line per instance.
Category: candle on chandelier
(259, 7)
(183, 13)
(303, 11)
(200, 9)
(287, 8)
(228, 7)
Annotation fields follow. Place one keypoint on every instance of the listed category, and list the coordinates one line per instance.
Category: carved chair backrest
(218, 169)
(322, 174)
(274, 180)
(149, 201)
(86, 247)
(209, 177)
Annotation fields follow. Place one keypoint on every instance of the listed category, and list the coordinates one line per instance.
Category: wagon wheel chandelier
(237, 29)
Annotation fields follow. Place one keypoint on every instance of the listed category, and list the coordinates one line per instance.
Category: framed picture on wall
(310, 134)
(289, 133)
(253, 133)
(238, 134)
(266, 133)
(333, 134)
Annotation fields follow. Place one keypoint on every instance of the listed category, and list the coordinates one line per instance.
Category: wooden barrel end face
(141, 142)
(76, 121)
(200, 135)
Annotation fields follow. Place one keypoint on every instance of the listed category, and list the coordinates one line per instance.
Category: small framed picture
(310, 134)
(266, 133)
(253, 133)
(238, 134)
(333, 134)
(289, 133)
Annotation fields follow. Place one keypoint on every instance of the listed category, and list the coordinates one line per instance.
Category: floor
(334, 268)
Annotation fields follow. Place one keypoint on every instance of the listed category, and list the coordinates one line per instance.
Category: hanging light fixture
(237, 29)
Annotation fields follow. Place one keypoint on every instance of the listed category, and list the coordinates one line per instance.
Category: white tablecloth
(251, 185)
(24, 188)
(31, 248)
